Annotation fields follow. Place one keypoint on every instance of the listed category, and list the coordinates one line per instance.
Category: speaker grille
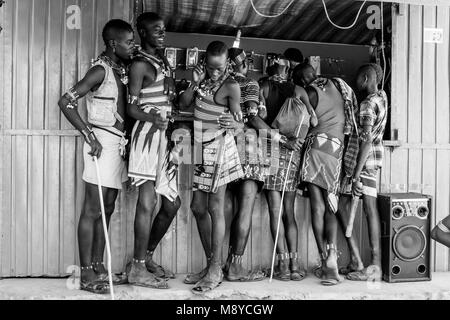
(409, 243)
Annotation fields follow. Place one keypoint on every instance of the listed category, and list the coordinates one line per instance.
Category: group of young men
(340, 155)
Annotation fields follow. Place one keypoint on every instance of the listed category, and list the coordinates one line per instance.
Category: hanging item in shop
(191, 58)
(171, 56)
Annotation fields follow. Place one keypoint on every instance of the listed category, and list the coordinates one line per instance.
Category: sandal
(250, 276)
(282, 275)
(145, 278)
(207, 284)
(96, 286)
(116, 279)
(367, 274)
(296, 274)
(193, 278)
(156, 269)
(329, 270)
(348, 269)
(318, 270)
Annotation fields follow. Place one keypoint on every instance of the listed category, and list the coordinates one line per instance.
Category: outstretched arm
(69, 106)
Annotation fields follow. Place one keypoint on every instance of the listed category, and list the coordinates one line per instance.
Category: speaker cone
(409, 243)
(422, 212)
(398, 212)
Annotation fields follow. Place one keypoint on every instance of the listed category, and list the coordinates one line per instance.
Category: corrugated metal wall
(420, 109)
(41, 153)
(41, 188)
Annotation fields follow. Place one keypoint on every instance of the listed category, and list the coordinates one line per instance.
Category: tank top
(153, 95)
(206, 113)
(329, 111)
(278, 93)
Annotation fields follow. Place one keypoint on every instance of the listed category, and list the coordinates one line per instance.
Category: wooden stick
(354, 208)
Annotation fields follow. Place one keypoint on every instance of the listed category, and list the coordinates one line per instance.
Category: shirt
(373, 112)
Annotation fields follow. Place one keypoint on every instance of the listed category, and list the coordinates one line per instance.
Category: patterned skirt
(322, 162)
(220, 165)
(280, 172)
(251, 156)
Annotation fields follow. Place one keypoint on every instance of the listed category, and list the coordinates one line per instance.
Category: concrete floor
(308, 289)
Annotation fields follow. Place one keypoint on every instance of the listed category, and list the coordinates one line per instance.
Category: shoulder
(139, 63)
(141, 66)
(231, 83)
(96, 73)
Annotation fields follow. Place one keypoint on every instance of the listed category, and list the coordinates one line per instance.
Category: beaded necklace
(208, 86)
(119, 69)
(160, 62)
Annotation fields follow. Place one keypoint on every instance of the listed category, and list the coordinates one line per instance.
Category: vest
(102, 104)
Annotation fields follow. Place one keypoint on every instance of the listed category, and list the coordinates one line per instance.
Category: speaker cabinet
(405, 236)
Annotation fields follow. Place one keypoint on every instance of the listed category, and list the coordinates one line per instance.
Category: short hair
(375, 68)
(217, 48)
(146, 18)
(298, 70)
(294, 54)
(113, 27)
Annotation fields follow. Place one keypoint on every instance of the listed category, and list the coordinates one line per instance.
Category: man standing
(334, 103)
(215, 93)
(372, 123)
(105, 88)
(246, 189)
(275, 90)
(150, 92)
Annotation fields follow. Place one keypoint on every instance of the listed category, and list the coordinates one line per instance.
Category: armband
(72, 96)
(133, 99)
(88, 135)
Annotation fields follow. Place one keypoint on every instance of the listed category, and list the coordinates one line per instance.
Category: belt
(114, 133)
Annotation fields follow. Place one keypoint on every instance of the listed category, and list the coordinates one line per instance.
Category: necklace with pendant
(119, 69)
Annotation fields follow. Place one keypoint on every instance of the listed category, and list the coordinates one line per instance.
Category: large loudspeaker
(405, 236)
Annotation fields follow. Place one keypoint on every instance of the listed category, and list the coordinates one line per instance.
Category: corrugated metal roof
(303, 20)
